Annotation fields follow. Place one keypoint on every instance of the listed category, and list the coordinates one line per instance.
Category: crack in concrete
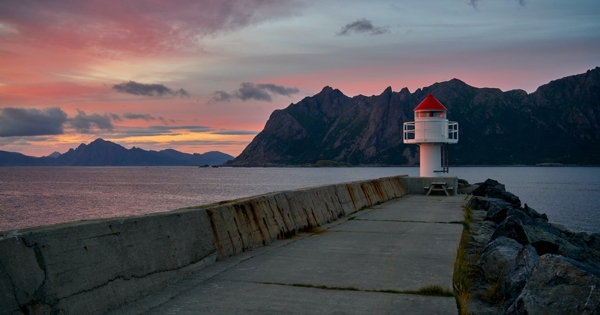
(410, 221)
(432, 290)
(12, 283)
(130, 277)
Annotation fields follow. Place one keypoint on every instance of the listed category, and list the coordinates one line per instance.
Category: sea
(38, 196)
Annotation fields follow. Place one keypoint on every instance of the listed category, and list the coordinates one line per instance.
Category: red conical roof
(430, 103)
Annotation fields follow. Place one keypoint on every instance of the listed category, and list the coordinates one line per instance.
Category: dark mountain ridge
(558, 123)
(106, 153)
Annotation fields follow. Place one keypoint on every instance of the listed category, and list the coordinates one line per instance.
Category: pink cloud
(130, 26)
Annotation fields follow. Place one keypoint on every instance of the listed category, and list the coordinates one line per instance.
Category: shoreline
(515, 257)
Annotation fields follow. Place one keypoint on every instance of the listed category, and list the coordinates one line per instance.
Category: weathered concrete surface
(79, 268)
(92, 267)
(336, 269)
(249, 223)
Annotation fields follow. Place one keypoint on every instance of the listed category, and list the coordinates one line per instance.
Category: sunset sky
(198, 76)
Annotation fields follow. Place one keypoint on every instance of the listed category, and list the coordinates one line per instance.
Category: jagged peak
(99, 140)
(326, 89)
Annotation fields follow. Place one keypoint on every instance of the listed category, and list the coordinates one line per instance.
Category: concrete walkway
(402, 245)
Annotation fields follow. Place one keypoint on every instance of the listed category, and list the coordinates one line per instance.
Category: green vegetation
(494, 293)
(462, 267)
(324, 287)
(430, 290)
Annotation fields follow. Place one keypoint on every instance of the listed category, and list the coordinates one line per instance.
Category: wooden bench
(437, 186)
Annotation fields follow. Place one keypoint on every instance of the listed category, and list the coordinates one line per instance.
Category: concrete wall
(92, 267)
(415, 185)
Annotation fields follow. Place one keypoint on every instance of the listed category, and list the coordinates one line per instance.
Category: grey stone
(512, 227)
(559, 285)
(499, 192)
(481, 190)
(498, 256)
(594, 242)
(497, 211)
(523, 216)
(519, 273)
(546, 242)
(534, 214)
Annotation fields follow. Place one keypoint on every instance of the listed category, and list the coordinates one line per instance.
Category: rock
(500, 193)
(559, 285)
(498, 256)
(481, 190)
(545, 247)
(519, 273)
(525, 218)
(512, 227)
(497, 211)
(493, 189)
(486, 203)
(545, 241)
(475, 203)
(534, 214)
(594, 242)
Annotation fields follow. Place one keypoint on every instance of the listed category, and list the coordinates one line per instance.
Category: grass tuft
(494, 294)
(432, 290)
(461, 278)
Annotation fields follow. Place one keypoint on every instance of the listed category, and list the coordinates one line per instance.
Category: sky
(200, 75)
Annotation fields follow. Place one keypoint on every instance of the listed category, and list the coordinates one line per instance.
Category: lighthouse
(432, 131)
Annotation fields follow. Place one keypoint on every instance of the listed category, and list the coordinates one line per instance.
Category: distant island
(106, 153)
(557, 124)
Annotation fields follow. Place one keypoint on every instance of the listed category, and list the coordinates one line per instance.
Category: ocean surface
(34, 196)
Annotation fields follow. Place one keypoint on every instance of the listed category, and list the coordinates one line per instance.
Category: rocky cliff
(558, 123)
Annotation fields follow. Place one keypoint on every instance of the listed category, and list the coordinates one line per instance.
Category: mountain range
(558, 123)
(106, 153)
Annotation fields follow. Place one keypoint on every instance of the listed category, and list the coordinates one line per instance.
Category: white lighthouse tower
(432, 131)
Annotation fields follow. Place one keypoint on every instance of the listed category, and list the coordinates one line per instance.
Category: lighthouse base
(431, 159)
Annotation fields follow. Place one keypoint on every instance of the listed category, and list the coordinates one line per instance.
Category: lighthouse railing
(452, 131)
(423, 132)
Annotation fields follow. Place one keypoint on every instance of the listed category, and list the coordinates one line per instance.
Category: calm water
(33, 196)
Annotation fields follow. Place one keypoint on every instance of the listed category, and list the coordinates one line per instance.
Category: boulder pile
(530, 265)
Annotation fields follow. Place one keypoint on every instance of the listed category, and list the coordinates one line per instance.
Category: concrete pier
(332, 248)
(345, 267)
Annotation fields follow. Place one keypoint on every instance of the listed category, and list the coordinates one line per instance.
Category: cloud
(221, 96)
(135, 88)
(235, 132)
(84, 123)
(363, 26)
(157, 130)
(31, 122)
(252, 91)
(475, 3)
(135, 26)
(115, 117)
(146, 117)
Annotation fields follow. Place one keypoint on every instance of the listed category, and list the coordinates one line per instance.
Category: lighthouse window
(440, 114)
